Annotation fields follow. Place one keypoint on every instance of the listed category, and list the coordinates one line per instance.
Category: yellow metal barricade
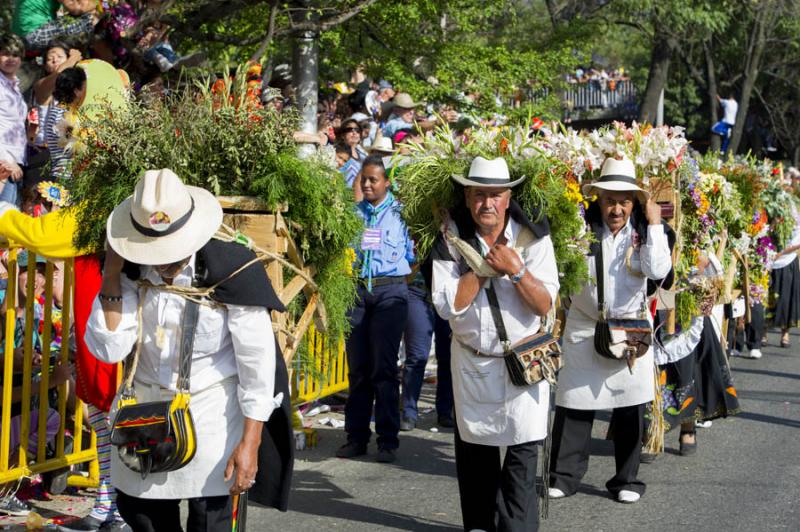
(18, 459)
(323, 372)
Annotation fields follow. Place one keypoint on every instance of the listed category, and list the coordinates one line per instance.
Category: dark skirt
(784, 288)
(700, 385)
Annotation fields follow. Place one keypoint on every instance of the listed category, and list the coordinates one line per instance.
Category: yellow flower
(573, 193)
(705, 204)
(349, 259)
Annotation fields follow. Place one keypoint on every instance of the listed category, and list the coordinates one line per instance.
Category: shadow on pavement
(767, 373)
(771, 397)
(770, 419)
(314, 493)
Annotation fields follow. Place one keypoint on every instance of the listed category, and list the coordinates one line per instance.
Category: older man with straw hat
(497, 300)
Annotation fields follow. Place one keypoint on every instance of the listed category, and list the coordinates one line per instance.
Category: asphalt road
(745, 476)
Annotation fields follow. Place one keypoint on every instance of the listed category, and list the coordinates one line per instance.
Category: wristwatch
(517, 277)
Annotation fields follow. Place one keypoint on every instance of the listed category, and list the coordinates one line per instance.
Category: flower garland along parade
(755, 245)
(712, 222)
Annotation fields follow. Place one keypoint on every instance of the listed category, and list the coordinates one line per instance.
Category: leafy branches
(221, 141)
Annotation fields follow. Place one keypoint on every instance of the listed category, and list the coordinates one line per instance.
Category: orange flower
(504, 146)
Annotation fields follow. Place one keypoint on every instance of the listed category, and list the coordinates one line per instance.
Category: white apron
(589, 381)
(491, 410)
(218, 423)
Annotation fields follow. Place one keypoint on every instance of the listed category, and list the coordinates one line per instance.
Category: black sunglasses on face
(352, 129)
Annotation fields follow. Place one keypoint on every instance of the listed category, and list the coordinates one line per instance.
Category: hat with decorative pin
(164, 221)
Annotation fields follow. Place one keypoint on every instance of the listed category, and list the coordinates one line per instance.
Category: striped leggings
(105, 505)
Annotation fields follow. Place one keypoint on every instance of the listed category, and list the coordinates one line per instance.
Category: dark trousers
(753, 332)
(572, 436)
(423, 323)
(206, 514)
(378, 320)
(494, 496)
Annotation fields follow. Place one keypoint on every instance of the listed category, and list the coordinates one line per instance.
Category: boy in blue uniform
(378, 318)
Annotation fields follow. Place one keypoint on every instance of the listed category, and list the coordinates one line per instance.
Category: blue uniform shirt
(396, 252)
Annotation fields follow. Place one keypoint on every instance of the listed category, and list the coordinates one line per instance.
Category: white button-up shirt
(490, 410)
(13, 111)
(624, 294)
(232, 340)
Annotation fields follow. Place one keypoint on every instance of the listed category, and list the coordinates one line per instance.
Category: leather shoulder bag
(617, 338)
(158, 436)
(530, 360)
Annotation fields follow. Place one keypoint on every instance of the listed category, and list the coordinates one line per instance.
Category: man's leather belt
(383, 281)
(476, 352)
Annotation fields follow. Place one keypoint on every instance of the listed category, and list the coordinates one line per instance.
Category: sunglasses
(352, 129)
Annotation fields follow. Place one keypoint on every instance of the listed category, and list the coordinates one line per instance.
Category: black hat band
(180, 222)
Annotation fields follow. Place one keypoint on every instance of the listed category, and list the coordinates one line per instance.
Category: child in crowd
(36, 20)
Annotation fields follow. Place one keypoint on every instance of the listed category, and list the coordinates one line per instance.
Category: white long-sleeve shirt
(233, 340)
(625, 294)
(681, 345)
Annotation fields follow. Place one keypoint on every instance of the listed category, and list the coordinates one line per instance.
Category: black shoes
(446, 422)
(407, 424)
(386, 456)
(351, 450)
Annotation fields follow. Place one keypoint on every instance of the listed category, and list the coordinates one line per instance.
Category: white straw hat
(164, 221)
(488, 173)
(404, 101)
(617, 175)
(382, 145)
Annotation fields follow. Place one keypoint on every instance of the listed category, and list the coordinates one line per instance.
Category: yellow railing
(22, 461)
(327, 376)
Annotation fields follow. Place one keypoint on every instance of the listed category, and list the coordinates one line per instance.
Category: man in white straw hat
(505, 294)
(237, 381)
(402, 114)
(632, 246)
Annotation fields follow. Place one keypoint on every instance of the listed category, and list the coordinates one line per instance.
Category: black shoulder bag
(620, 339)
(158, 436)
(533, 358)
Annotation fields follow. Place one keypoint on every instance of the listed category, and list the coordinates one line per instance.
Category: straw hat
(617, 175)
(488, 173)
(382, 145)
(404, 101)
(164, 221)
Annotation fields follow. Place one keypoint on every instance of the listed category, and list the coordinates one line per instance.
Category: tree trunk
(758, 40)
(712, 91)
(660, 59)
(305, 73)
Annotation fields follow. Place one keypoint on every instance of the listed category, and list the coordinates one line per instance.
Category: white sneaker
(628, 497)
(735, 353)
(555, 493)
(703, 424)
(754, 353)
